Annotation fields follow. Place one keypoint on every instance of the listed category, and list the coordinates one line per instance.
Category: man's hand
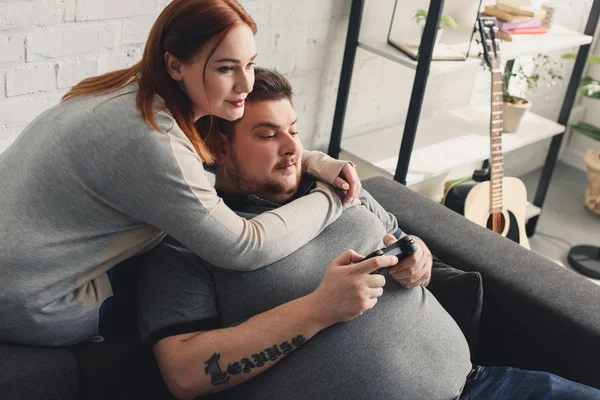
(414, 270)
(350, 182)
(347, 290)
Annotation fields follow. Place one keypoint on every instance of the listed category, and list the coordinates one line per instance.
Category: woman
(117, 165)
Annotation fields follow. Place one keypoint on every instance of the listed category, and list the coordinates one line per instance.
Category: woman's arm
(339, 173)
(159, 180)
(321, 166)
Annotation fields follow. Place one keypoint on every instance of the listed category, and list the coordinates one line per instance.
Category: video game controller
(403, 248)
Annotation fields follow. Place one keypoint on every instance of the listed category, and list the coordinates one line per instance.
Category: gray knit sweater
(88, 184)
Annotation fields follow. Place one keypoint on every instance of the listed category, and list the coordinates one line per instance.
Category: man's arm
(197, 364)
(412, 271)
(200, 363)
(388, 220)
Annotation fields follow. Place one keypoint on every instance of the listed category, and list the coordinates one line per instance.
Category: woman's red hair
(182, 29)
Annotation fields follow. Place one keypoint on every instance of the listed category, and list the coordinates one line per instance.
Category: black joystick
(403, 248)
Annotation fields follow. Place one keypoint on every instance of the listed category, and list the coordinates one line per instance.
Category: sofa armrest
(536, 314)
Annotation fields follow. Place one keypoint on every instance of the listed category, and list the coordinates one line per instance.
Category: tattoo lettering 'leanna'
(218, 377)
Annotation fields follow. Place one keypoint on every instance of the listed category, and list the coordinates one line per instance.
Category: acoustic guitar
(492, 200)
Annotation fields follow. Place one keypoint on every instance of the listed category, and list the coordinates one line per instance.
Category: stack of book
(513, 20)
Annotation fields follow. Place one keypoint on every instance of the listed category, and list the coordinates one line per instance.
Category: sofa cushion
(461, 295)
(31, 372)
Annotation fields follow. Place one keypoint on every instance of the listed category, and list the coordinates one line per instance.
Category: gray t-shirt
(406, 347)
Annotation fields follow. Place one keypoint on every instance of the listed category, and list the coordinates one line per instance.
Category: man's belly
(406, 347)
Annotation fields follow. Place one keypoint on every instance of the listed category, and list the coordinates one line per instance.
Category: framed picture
(454, 35)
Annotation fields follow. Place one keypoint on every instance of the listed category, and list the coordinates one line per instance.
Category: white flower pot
(512, 115)
(592, 192)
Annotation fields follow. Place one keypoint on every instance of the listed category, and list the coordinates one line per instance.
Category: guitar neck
(496, 158)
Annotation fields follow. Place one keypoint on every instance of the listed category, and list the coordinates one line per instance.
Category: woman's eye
(250, 65)
(294, 133)
(226, 69)
(267, 136)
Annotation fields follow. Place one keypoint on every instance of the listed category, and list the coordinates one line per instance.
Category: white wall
(48, 45)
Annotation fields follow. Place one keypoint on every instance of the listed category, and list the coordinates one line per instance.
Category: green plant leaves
(421, 16)
(586, 129)
(529, 76)
(590, 87)
(591, 59)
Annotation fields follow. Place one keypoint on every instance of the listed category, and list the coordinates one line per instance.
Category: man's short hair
(269, 85)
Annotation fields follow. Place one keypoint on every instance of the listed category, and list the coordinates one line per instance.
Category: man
(213, 329)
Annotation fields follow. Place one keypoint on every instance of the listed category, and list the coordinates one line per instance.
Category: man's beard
(268, 189)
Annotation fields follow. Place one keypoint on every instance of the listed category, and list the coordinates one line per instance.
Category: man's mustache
(288, 161)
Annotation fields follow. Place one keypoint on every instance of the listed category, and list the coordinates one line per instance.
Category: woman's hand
(349, 181)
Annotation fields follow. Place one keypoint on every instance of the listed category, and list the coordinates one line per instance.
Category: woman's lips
(236, 103)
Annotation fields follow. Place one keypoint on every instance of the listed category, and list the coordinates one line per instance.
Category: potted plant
(520, 81)
(590, 89)
(445, 21)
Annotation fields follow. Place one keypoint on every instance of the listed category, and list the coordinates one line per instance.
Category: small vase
(592, 192)
(513, 114)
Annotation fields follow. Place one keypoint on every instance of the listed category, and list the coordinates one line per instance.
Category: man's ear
(224, 149)
(173, 66)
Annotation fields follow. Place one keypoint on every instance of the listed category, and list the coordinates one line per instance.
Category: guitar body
(472, 199)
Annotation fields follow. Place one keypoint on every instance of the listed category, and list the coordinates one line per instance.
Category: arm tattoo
(246, 364)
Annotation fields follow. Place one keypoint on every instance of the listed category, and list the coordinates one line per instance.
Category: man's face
(265, 156)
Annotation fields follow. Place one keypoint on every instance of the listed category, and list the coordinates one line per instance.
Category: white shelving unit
(459, 137)
(444, 142)
(385, 50)
(557, 38)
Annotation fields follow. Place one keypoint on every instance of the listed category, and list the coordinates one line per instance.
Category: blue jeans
(491, 383)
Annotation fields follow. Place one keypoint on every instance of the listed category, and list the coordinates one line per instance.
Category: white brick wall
(70, 41)
(70, 73)
(39, 78)
(46, 46)
(25, 14)
(137, 30)
(2, 87)
(87, 10)
(13, 48)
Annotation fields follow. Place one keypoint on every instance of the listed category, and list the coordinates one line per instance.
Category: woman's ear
(224, 149)
(173, 66)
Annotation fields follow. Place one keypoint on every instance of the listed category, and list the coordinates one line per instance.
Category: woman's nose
(245, 82)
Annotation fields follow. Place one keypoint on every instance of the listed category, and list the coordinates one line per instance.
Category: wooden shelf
(557, 38)
(453, 139)
(385, 50)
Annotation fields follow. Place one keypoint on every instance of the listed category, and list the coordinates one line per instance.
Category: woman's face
(229, 76)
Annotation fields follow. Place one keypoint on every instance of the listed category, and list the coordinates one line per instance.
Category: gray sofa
(536, 315)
